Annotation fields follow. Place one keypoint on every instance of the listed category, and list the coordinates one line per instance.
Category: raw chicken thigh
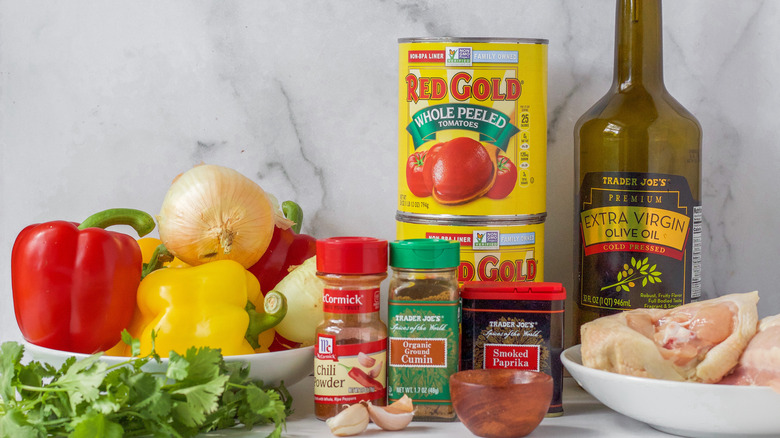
(697, 342)
(760, 362)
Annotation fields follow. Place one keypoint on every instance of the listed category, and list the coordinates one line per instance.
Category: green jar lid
(424, 254)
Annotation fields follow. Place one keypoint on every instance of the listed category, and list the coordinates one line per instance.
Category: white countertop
(583, 417)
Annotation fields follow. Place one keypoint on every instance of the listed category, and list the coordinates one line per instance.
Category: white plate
(288, 365)
(681, 408)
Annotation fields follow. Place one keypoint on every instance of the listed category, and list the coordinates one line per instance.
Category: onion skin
(215, 213)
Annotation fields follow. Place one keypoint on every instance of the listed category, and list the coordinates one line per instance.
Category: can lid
(352, 255)
(495, 40)
(424, 254)
(517, 290)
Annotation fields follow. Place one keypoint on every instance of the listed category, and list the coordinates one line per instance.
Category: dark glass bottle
(638, 167)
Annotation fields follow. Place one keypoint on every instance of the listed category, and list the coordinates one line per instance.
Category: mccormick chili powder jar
(515, 325)
(351, 344)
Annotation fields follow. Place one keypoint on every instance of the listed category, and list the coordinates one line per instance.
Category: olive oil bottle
(638, 166)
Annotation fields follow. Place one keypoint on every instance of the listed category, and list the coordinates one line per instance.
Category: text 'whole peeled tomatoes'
(472, 146)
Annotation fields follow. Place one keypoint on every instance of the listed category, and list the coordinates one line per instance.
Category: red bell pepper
(74, 286)
(287, 249)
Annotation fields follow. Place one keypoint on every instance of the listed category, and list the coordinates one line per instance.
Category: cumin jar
(423, 324)
(516, 325)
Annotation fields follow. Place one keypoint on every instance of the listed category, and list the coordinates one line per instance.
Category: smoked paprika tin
(490, 249)
(472, 126)
(516, 325)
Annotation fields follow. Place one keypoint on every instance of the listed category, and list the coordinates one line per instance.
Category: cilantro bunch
(197, 393)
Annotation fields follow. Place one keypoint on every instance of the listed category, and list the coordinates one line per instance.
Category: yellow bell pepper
(264, 340)
(199, 306)
(149, 244)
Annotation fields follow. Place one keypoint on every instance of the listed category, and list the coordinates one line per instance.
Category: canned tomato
(472, 126)
(490, 250)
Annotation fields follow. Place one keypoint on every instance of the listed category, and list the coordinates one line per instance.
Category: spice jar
(516, 325)
(351, 342)
(423, 318)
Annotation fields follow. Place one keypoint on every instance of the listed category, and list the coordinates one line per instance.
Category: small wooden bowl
(501, 403)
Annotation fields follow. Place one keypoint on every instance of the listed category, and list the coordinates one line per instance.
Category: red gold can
(472, 127)
(489, 250)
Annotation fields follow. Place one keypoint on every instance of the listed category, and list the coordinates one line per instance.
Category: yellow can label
(472, 128)
(488, 253)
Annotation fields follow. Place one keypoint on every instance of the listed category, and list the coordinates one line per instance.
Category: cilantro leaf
(14, 424)
(10, 357)
(204, 363)
(196, 393)
(178, 367)
(82, 380)
(95, 425)
(134, 343)
(200, 400)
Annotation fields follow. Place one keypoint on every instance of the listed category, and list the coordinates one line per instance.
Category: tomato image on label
(461, 170)
(506, 178)
(428, 167)
(414, 175)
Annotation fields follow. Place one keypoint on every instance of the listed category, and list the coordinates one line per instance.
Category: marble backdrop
(102, 103)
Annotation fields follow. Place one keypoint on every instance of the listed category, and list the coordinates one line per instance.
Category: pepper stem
(294, 212)
(160, 256)
(274, 310)
(142, 222)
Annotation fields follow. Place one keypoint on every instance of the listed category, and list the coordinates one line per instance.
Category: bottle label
(423, 349)
(349, 373)
(640, 241)
(350, 301)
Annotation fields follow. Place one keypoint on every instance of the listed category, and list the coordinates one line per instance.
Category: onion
(303, 291)
(214, 213)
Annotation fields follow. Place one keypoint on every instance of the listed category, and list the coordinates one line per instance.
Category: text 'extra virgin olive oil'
(638, 163)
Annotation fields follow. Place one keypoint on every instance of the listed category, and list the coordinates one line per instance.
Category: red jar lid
(517, 290)
(351, 255)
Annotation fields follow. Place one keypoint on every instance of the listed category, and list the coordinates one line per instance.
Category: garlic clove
(403, 404)
(389, 418)
(365, 360)
(350, 421)
(374, 372)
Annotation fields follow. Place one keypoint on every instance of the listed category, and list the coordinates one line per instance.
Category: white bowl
(681, 408)
(289, 366)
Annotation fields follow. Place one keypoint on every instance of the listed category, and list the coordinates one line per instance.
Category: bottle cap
(352, 255)
(424, 254)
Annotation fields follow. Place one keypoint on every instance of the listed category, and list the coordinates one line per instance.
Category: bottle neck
(638, 45)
